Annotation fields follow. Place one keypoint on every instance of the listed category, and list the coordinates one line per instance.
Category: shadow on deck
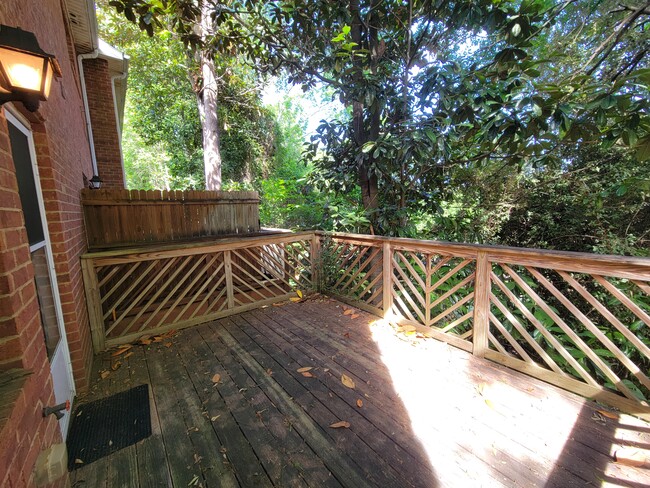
(421, 414)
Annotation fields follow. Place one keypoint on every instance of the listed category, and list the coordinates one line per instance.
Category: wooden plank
(387, 280)
(93, 303)
(193, 451)
(482, 287)
(227, 259)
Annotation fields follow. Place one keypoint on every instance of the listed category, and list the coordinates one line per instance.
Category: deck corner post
(94, 305)
(481, 304)
(316, 264)
(387, 279)
(230, 291)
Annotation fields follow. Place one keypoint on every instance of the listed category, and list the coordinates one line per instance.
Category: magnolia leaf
(340, 425)
(216, 378)
(122, 350)
(305, 369)
(609, 415)
(295, 299)
(347, 381)
(299, 293)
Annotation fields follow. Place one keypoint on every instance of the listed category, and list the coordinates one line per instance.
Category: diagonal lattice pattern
(591, 328)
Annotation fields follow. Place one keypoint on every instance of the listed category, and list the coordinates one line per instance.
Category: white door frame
(19, 122)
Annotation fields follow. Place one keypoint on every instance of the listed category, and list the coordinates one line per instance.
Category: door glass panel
(46, 300)
(34, 223)
(26, 185)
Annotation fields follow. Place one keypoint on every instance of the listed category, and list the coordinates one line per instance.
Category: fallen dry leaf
(354, 316)
(408, 328)
(215, 417)
(128, 355)
(104, 374)
(359, 403)
(157, 339)
(168, 344)
(347, 381)
(305, 369)
(632, 457)
(348, 311)
(122, 350)
(78, 461)
(216, 378)
(295, 299)
(307, 374)
(145, 342)
(299, 293)
(279, 304)
(115, 366)
(609, 415)
(340, 425)
(269, 372)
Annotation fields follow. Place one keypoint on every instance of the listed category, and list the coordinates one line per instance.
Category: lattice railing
(131, 294)
(579, 321)
(582, 326)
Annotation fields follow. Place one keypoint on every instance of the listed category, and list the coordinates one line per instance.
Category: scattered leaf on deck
(609, 415)
(632, 457)
(104, 374)
(489, 403)
(269, 372)
(408, 328)
(145, 342)
(299, 293)
(157, 339)
(122, 350)
(346, 335)
(295, 299)
(354, 316)
(305, 369)
(359, 403)
(115, 366)
(127, 355)
(307, 374)
(279, 304)
(78, 461)
(168, 344)
(215, 417)
(347, 381)
(348, 311)
(340, 425)
(216, 378)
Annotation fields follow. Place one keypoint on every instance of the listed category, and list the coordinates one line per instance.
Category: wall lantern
(95, 182)
(26, 71)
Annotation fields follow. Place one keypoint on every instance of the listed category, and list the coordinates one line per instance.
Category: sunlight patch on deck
(459, 414)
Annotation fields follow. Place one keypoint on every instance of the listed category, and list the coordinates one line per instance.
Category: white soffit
(83, 24)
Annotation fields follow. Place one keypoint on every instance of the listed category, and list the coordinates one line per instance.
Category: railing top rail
(608, 265)
(117, 256)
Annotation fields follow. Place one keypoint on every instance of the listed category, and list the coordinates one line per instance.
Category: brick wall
(63, 157)
(102, 116)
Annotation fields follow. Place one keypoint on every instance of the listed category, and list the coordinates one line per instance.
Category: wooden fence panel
(119, 218)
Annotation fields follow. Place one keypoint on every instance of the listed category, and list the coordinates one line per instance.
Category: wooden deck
(421, 414)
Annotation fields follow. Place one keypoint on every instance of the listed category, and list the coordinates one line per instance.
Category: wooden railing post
(94, 305)
(316, 264)
(481, 304)
(387, 279)
(227, 267)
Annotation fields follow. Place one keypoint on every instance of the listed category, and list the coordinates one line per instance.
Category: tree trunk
(207, 100)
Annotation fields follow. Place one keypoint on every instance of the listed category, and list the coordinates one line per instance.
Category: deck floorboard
(422, 414)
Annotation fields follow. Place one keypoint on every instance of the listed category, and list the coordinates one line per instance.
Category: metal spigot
(57, 410)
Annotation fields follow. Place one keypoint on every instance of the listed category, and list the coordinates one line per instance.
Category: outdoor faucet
(56, 409)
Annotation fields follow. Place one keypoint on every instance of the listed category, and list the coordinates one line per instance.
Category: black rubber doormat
(104, 426)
